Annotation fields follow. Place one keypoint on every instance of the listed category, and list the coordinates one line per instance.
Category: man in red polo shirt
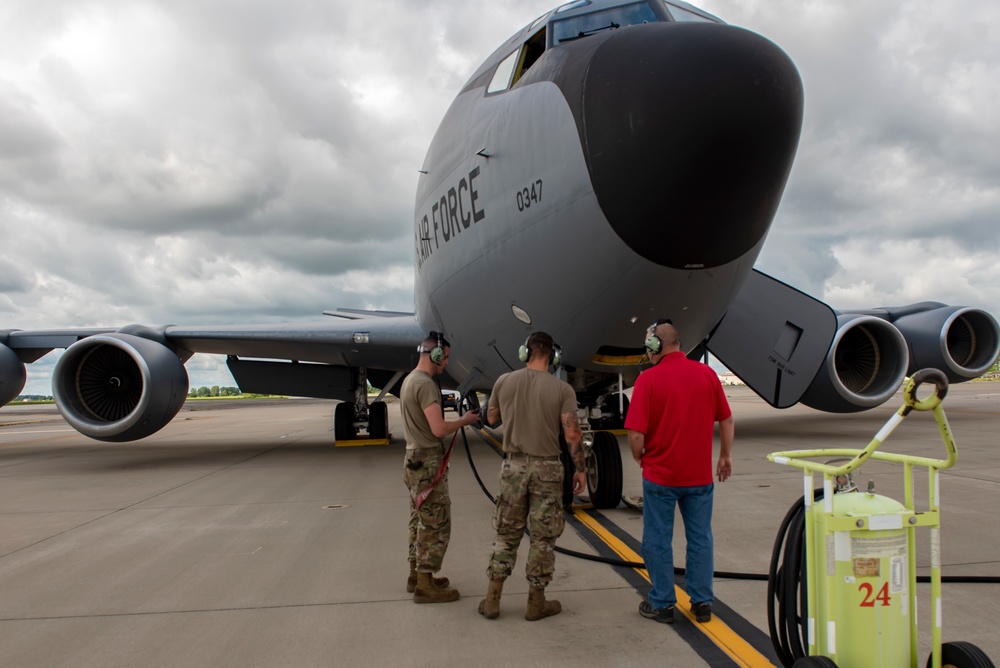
(671, 423)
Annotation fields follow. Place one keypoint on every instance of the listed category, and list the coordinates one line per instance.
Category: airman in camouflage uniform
(425, 427)
(533, 405)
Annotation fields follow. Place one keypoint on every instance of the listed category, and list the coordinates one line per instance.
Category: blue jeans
(658, 502)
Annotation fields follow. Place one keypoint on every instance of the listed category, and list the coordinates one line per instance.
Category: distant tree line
(215, 391)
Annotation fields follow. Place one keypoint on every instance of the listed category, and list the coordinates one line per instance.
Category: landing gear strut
(350, 417)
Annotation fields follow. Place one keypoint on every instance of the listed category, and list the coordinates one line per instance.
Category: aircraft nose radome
(690, 132)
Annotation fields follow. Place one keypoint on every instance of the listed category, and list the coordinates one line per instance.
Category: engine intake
(960, 341)
(119, 387)
(865, 366)
(12, 375)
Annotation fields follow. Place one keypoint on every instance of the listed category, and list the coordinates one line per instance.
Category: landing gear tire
(378, 420)
(343, 422)
(962, 655)
(815, 662)
(604, 471)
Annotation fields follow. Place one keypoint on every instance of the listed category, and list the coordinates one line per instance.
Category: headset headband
(437, 352)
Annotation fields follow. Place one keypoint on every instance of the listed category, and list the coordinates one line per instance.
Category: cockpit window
(501, 78)
(572, 5)
(595, 22)
(681, 14)
(516, 64)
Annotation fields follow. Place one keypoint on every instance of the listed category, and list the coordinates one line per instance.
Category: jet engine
(119, 387)
(962, 342)
(12, 375)
(865, 366)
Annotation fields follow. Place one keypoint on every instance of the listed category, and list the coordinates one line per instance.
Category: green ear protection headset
(437, 352)
(653, 343)
(524, 353)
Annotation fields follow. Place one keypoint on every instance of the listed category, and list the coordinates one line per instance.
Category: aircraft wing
(789, 347)
(774, 338)
(353, 338)
(126, 383)
(378, 342)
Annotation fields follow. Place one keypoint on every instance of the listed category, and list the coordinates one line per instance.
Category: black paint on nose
(689, 131)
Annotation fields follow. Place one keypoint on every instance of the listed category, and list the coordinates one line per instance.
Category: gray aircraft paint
(598, 254)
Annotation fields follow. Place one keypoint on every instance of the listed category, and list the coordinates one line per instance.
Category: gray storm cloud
(216, 162)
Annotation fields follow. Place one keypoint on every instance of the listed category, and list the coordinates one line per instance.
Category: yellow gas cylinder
(864, 598)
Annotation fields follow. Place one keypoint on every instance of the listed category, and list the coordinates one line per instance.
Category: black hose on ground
(786, 586)
(761, 577)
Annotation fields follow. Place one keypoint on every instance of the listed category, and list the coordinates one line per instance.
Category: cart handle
(919, 378)
(798, 458)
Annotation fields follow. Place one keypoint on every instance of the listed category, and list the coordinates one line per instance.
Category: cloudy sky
(223, 161)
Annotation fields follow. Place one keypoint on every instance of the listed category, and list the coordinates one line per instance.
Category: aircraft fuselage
(623, 177)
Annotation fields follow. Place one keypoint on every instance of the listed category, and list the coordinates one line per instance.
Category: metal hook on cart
(919, 378)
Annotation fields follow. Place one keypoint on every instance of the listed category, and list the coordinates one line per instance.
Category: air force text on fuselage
(457, 209)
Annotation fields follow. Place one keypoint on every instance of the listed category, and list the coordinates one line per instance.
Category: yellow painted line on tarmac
(362, 441)
(738, 649)
(491, 440)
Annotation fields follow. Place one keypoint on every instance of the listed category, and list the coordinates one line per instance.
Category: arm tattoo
(574, 437)
(493, 415)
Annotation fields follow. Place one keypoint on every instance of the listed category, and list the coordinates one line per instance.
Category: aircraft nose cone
(690, 131)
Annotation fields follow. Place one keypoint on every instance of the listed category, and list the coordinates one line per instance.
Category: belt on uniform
(521, 455)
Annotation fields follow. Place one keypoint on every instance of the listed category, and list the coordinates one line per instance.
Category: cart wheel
(814, 662)
(962, 655)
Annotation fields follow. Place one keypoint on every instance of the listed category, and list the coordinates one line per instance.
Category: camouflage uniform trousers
(530, 493)
(430, 526)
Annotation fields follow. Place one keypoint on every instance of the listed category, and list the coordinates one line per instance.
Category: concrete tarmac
(240, 536)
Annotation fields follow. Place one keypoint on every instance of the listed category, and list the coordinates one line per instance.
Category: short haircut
(540, 343)
(431, 342)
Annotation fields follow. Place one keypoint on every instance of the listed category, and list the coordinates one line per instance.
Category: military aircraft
(612, 163)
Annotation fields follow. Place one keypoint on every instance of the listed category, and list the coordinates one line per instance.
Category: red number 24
(869, 600)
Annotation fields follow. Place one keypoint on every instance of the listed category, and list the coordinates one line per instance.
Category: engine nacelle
(865, 366)
(962, 342)
(12, 375)
(119, 387)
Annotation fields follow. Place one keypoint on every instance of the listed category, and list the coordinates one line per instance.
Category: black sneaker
(662, 615)
(702, 612)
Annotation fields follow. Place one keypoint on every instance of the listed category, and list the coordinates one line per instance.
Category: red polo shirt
(676, 404)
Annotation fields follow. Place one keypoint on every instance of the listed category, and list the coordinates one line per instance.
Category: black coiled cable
(786, 586)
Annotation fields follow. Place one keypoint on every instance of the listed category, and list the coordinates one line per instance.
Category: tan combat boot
(538, 607)
(489, 607)
(411, 582)
(426, 592)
